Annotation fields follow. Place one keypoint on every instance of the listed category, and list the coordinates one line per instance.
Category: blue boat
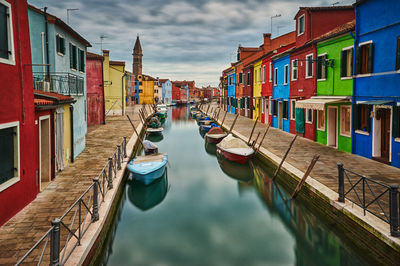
(148, 168)
(207, 128)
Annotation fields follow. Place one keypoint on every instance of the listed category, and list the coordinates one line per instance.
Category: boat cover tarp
(231, 142)
(216, 130)
(148, 145)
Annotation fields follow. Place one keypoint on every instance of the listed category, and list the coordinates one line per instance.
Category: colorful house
(59, 58)
(247, 103)
(258, 79)
(166, 91)
(114, 85)
(231, 76)
(129, 87)
(95, 89)
(376, 101)
(281, 89)
(19, 155)
(146, 89)
(334, 87)
(311, 22)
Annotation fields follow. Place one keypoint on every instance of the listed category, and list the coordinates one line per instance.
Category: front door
(385, 134)
(280, 114)
(332, 127)
(44, 152)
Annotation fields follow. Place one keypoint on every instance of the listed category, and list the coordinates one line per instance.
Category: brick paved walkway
(22, 231)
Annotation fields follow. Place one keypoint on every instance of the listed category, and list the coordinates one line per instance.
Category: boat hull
(150, 177)
(242, 159)
(214, 140)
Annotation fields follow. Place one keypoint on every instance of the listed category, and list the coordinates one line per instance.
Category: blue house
(231, 91)
(280, 91)
(376, 83)
(166, 91)
(59, 58)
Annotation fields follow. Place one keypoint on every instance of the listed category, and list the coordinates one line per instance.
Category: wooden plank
(259, 145)
(233, 124)
(284, 157)
(306, 174)
(252, 131)
(223, 119)
(134, 128)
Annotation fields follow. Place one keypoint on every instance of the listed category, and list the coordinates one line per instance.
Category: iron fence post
(95, 215)
(125, 155)
(110, 173)
(363, 179)
(394, 210)
(341, 182)
(55, 243)
(119, 157)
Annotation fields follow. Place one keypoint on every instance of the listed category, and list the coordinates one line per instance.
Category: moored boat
(156, 130)
(215, 135)
(148, 168)
(235, 149)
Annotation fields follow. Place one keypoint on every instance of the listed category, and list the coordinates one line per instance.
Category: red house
(95, 89)
(176, 92)
(311, 22)
(18, 156)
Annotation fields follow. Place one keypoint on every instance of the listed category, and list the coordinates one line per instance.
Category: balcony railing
(63, 83)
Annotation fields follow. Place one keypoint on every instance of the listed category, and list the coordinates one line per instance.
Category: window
(259, 75)
(364, 56)
(274, 108)
(398, 54)
(60, 45)
(396, 122)
(322, 67)
(346, 63)
(276, 77)
(309, 116)
(293, 110)
(361, 117)
(294, 69)
(270, 72)
(309, 66)
(300, 25)
(263, 74)
(140, 91)
(81, 56)
(72, 56)
(6, 34)
(285, 109)
(270, 105)
(286, 77)
(248, 78)
(240, 77)
(9, 155)
(238, 56)
(321, 120)
(345, 120)
(255, 75)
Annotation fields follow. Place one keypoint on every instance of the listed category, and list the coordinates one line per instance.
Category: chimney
(267, 41)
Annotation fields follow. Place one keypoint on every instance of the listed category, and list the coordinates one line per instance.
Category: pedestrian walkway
(21, 232)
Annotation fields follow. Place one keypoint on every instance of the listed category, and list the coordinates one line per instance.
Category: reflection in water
(315, 243)
(155, 137)
(180, 113)
(240, 172)
(210, 148)
(146, 197)
(202, 132)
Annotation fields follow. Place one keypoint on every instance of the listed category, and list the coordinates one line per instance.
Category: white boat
(154, 130)
(235, 149)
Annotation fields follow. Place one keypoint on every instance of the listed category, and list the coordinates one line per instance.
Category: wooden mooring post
(223, 119)
(306, 174)
(134, 128)
(208, 109)
(216, 119)
(284, 157)
(255, 141)
(252, 131)
(233, 124)
(262, 139)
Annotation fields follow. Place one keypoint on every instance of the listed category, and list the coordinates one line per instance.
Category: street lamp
(68, 10)
(275, 16)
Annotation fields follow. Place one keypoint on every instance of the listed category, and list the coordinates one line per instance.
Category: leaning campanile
(137, 58)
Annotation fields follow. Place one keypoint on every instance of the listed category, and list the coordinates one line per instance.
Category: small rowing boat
(235, 149)
(148, 168)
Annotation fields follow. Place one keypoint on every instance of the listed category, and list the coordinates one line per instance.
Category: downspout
(21, 69)
(71, 110)
(47, 40)
(43, 55)
(353, 142)
(122, 91)
(104, 100)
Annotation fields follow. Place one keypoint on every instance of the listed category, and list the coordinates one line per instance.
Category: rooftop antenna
(102, 37)
(68, 10)
(336, 3)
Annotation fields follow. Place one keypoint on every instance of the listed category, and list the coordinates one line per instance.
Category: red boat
(235, 149)
(215, 135)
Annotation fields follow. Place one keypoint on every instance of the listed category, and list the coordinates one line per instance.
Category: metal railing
(66, 232)
(63, 83)
(380, 200)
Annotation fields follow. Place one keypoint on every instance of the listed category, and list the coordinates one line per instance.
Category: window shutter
(369, 118)
(63, 45)
(358, 60)
(58, 43)
(370, 57)
(325, 65)
(240, 77)
(71, 63)
(343, 63)
(396, 122)
(351, 61)
(319, 61)
(398, 54)
(356, 118)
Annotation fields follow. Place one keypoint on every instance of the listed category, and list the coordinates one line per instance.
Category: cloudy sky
(181, 39)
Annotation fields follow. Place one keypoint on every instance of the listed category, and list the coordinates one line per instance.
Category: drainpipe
(71, 110)
(47, 40)
(21, 69)
(122, 91)
(104, 100)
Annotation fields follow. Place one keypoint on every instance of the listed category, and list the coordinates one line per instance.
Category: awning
(319, 103)
(377, 102)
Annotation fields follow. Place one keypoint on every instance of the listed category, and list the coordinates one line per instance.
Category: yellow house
(257, 86)
(147, 85)
(67, 134)
(114, 85)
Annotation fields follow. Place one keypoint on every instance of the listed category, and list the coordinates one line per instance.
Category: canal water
(208, 211)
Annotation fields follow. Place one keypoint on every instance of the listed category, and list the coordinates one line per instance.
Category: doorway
(280, 114)
(332, 127)
(381, 137)
(44, 152)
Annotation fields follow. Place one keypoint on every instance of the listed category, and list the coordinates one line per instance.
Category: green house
(334, 67)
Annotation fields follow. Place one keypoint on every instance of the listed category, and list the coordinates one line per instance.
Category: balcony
(62, 83)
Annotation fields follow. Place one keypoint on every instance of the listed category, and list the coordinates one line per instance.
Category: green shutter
(240, 77)
(325, 65)
(58, 46)
(62, 45)
(398, 54)
(396, 122)
(71, 56)
(370, 57)
(351, 58)
(319, 67)
(356, 118)
(238, 56)
(299, 120)
(358, 61)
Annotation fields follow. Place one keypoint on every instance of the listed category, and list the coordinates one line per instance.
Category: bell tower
(137, 58)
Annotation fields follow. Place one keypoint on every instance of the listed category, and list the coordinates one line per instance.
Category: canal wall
(93, 241)
(368, 233)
